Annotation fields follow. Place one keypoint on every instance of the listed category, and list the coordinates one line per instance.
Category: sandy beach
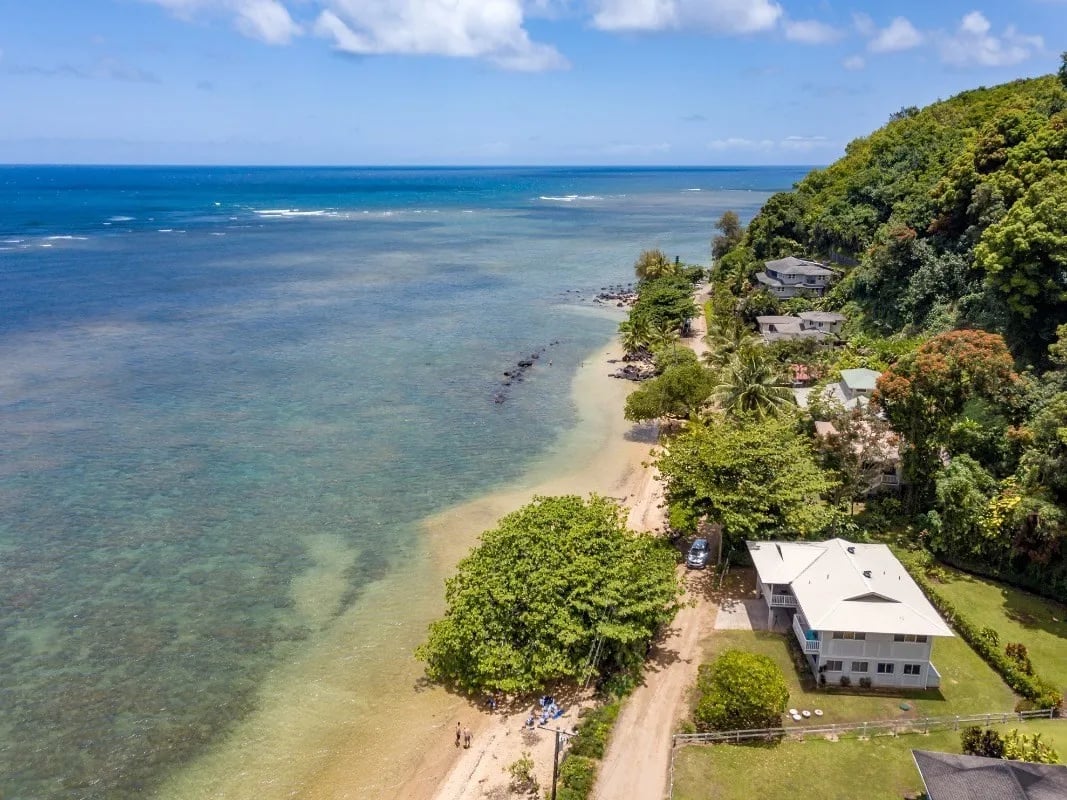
(334, 721)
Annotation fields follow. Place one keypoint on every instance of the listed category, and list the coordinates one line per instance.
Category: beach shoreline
(335, 722)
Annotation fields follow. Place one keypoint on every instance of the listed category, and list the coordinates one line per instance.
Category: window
(833, 666)
(908, 637)
(913, 669)
(885, 668)
(859, 666)
(849, 635)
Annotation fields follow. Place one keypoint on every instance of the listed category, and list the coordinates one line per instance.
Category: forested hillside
(947, 231)
(951, 216)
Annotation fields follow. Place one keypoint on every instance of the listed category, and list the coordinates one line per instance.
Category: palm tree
(652, 264)
(750, 384)
(726, 338)
(636, 334)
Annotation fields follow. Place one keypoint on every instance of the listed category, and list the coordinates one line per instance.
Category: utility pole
(555, 756)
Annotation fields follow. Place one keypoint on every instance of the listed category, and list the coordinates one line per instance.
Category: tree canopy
(758, 478)
(739, 691)
(559, 591)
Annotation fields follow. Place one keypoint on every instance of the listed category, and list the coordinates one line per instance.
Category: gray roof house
(817, 325)
(791, 277)
(952, 777)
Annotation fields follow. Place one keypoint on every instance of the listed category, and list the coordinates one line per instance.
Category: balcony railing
(807, 639)
(787, 600)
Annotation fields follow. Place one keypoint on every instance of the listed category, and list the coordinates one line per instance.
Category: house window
(859, 666)
(909, 637)
(885, 668)
(913, 669)
(833, 666)
(849, 635)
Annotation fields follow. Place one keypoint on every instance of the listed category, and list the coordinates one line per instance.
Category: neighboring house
(828, 321)
(892, 476)
(855, 388)
(952, 777)
(803, 326)
(793, 277)
(855, 611)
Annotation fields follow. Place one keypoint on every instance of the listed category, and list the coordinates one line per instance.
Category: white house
(828, 321)
(855, 611)
(790, 277)
(817, 325)
(855, 387)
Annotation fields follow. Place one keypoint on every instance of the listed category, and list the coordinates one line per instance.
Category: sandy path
(637, 762)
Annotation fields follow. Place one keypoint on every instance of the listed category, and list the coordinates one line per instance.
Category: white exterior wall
(876, 648)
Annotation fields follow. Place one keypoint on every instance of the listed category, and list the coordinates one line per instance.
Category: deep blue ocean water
(203, 369)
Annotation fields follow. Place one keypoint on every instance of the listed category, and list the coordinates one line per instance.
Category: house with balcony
(879, 451)
(794, 277)
(854, 610)
(818, 325)
(825, 321)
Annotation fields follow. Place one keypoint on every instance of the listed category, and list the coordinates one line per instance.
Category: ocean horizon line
(457, 167)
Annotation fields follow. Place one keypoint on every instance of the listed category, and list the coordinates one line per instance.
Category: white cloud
(864, 24)
(854, 63)
(267, 20)
(810, 31)
(491, 29)
(973, 44)
(715, 16)
(793, 144)
(900, 35)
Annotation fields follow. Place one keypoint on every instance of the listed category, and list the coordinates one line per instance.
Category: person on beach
(466, 738)
(459, 734)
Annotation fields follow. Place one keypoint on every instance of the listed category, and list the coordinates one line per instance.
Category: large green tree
(926, 391)
(730, 234)
(559, 591)
(739, 691)
(678, 392)
(758, 478)
(652, 264)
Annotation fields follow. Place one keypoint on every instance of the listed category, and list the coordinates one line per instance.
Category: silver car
(698, 554)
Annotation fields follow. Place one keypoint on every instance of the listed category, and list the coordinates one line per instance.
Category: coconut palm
(726, 338)
(750, 383)
(652, 264)
(636, 334)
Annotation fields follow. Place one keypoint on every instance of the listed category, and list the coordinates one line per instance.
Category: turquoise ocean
(206, 371)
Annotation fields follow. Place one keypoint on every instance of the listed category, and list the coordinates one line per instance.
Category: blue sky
(492, 81)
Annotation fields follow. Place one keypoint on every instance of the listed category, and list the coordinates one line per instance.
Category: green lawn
(1017, 616)
(875, 769)
(968, 685)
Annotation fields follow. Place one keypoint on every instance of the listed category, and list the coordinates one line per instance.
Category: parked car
(698, 554)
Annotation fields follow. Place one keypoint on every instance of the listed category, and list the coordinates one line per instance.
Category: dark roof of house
(790, 265)
(952, 777)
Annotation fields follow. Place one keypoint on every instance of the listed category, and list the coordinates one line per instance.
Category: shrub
(845, 680)
(1020, 747)
(740, 690)
(865, 683)
(577, 774)
(976, 741)
(594, 730)
(523, 779)
(1017, 652)
(990, 636)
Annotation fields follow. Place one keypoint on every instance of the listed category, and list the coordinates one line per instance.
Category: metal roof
(952, 777)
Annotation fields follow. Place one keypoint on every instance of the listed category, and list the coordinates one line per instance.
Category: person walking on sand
(459, 734)
(466, 738)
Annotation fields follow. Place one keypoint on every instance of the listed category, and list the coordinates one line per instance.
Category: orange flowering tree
(926, 391)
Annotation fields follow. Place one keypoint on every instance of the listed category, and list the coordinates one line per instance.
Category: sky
(467, 82)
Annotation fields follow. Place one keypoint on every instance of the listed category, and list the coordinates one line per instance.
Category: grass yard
(1017, 616)
(968, 685)
(875, 769)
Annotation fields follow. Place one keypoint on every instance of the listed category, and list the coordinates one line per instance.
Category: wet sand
(342, 719)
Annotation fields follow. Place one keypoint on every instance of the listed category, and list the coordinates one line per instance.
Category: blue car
(698, 554)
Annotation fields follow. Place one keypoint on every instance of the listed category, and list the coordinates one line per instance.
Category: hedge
(577, 773)
(1039, 693)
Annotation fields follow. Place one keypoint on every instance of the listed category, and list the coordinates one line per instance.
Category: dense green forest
(947, 231)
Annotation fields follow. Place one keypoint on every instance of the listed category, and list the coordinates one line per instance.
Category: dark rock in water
(507, 373)
(499, 398)
(526, 363)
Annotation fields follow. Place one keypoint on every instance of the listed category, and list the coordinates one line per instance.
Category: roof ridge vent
(851, 549)
(866, 573)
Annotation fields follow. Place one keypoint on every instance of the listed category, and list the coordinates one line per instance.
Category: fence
(889, 727)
